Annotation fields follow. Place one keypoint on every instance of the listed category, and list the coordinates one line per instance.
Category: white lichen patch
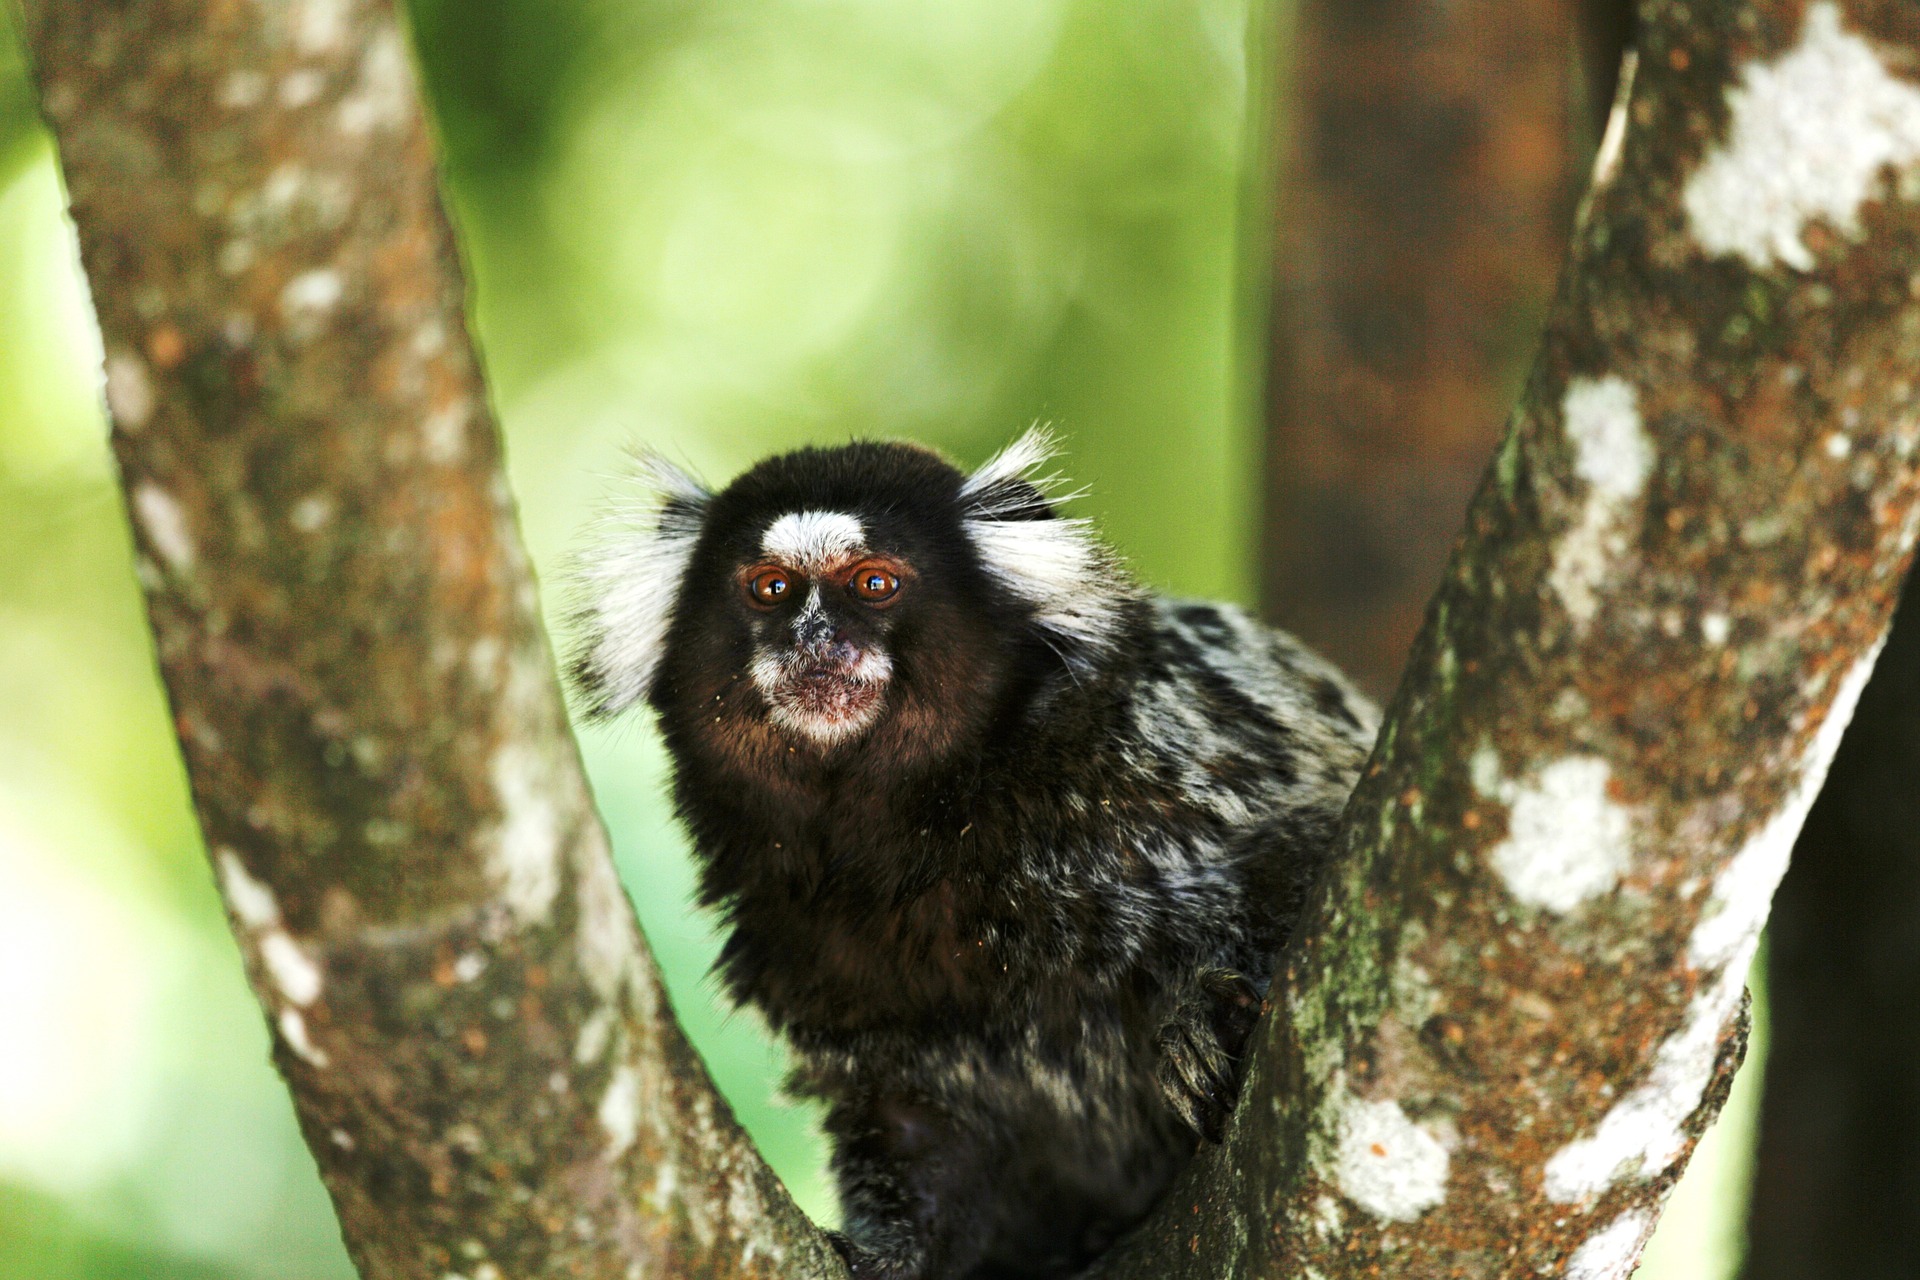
(594, 1035)
(311, 513)
(290, 967)
(312, 293)
(1611, 1253)
(319, 26)
(619, 1110)
(1811, 134)
(301, 88)
(1743, 891)
(1613, 456)
(165, 524)
(242, 90)
(293, 972)
(1385, 1163)
(443, 433)
(526, 844)
(381, 98)
(1715, 628)
(253, 903)
(608, 945)
(293, 1029)
(1642, 1134)
(1568, 841)
(130, 395)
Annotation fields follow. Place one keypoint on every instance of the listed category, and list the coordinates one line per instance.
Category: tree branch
(1517, 1003)
(479, 1048)
(1836, 1188)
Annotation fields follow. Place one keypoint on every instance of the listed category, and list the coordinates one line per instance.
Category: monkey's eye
(873, 583)
(769, 587)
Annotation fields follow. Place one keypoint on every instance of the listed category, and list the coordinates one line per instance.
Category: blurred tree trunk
(1434, 154)
(1837, 1185)
(1516, 1004)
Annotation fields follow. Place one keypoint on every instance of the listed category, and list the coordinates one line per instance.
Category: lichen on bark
(1673, 583)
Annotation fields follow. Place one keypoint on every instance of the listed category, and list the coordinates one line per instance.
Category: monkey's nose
(814, 632)
(829, 651)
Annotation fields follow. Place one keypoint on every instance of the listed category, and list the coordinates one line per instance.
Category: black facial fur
(1016, 922)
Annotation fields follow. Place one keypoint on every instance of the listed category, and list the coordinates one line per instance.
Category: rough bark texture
(1428, 186)
(479, 1049)
(1837, 1188)
(1518, 1003)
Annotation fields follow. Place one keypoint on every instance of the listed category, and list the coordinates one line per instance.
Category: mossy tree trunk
(1518, 1001)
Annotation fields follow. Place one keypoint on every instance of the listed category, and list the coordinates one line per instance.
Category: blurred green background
(720, 230)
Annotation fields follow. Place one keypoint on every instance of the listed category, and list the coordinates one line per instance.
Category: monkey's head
(866, 597)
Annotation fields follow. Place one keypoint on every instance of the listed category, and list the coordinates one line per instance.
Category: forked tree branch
(1518, 1004)
(1513, 1013)
(479, 1049)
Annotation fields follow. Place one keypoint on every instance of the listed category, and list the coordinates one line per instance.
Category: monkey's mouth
(826, 699)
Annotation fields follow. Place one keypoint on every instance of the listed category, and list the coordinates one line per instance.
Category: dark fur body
(1008, 929)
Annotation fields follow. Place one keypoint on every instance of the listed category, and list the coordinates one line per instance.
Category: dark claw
(1200, 1048)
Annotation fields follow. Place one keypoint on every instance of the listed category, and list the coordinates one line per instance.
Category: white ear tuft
(1006, 483)
(628, 581)
(1074, 584)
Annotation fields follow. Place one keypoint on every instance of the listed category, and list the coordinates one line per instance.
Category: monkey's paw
(1200, 1049)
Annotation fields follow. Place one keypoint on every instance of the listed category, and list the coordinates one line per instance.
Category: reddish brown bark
(1517, 1005)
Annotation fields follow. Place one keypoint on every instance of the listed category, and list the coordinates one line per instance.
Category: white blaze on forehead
(1612, 454)
(1811, 133)
(814, 540)
(1387, 1164)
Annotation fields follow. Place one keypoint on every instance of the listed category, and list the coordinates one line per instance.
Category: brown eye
(769, 587)
(872, 583)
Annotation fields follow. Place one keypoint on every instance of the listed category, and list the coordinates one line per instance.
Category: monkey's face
(818, 598)
(867, 598)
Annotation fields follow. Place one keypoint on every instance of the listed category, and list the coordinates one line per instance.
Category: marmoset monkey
(1006, 845)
